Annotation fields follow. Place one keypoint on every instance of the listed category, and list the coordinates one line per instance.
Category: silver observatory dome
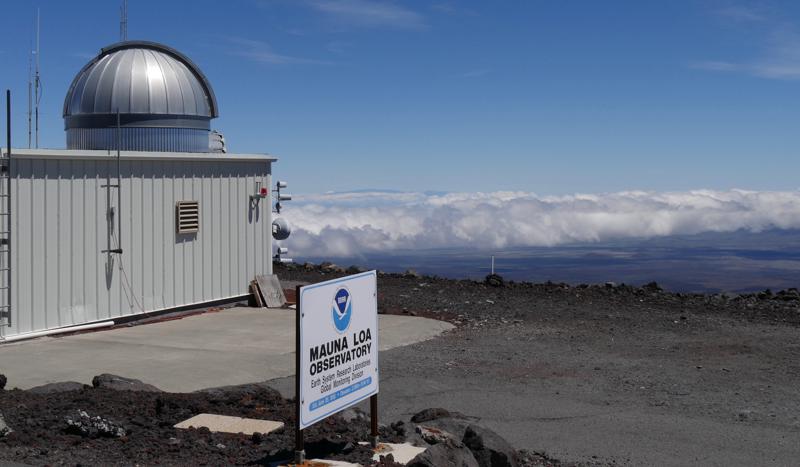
(164, 101)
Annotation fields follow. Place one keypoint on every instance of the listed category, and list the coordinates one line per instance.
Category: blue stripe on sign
(340, 393)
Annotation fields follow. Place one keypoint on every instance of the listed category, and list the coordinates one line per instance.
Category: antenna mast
(36, 81)
(30, 91)
(123, 21)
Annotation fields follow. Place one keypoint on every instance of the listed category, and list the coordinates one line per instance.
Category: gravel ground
(137, 428)
(573, 375)
(610, 374)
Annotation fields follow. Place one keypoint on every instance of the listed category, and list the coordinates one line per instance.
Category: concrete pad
(402, 453)
(234, 346)
(327, 463)
(319, 463)
(226, 424)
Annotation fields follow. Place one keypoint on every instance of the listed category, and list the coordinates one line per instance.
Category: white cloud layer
(350, 224)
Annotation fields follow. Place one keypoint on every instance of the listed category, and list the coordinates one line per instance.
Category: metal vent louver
(187, 215)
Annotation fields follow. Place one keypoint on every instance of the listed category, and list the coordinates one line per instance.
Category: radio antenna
(37, 84)
(123, 21)
(30, 90)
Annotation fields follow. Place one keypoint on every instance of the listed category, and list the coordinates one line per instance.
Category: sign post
(336, 351)
(299, 449)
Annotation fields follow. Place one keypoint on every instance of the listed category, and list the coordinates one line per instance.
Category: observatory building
(138, 214)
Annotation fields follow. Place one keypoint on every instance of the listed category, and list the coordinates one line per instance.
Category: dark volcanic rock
(4, 429)
(353, 414)
(328, 267)
(455, 426)
(355, 270)
(242, 391)
(427, 415)
(652, 287)
(82, 424)
(495, 280)
(433, 435)
(3, 381)
(52, 388)
(446, 299)
(447, 454)
(118, 383)
(788, 295)
(489, 449)
(43, 436)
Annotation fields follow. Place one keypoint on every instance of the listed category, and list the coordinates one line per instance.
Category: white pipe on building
(50, 332)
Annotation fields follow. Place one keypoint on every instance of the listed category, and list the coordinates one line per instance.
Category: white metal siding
(59, 227)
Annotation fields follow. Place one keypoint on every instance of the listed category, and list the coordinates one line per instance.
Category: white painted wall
(59, 227)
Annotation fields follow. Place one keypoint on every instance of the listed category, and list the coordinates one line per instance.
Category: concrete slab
(227, 424)
(402, 453)
(318, 463)
(330, 463)
(234, 346)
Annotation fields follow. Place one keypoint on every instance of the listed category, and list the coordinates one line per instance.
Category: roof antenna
(30, 91)
(37, 84)
(123, 21)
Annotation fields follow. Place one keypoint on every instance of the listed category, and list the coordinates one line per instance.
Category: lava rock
(92, 427)
(432, 435)
(236, 392)
(119, 383)
(399, 427)
(652, 287)
(4, 428)
(328, 267)
(489, 449)
(3, 381)
(455, 426)
(445, 455)
(733, 296)
(353, 415)
(429, 414)
(788, 295)
(411, 274)
(494, 280)
(355, 270)
(54, 388)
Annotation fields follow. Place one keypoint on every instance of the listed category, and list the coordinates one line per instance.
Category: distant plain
(709, 263)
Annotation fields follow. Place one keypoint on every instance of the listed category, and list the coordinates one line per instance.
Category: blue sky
(550, 97)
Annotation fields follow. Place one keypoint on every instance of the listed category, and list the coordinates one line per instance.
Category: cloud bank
(350, 224)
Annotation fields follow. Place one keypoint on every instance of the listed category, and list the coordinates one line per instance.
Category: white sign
(338, 351)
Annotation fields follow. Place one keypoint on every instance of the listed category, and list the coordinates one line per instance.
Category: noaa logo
(342, 309)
